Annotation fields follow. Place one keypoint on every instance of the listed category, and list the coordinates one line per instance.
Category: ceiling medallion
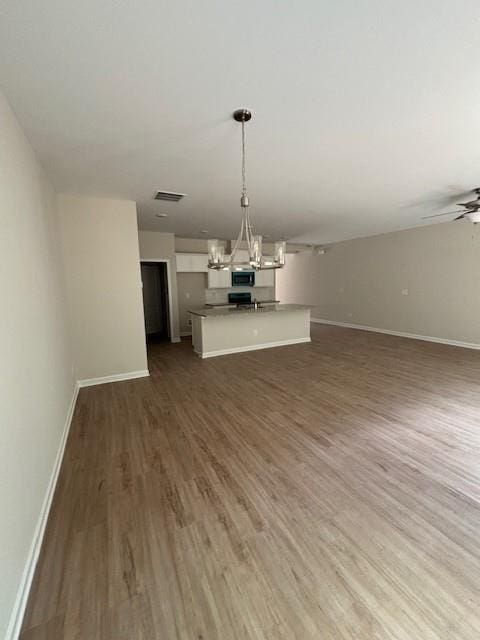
(256, 260)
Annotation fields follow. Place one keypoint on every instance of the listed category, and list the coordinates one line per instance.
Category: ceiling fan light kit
(257, 261)
(473, 216)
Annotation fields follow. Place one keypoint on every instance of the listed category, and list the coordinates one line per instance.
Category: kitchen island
(219, 331)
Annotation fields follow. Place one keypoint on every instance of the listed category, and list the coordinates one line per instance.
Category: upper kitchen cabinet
(191, 262)
(219, 279)
(265, 278)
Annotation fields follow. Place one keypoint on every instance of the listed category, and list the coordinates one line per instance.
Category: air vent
(168, 196)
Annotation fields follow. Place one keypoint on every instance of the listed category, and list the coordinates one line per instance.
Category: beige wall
(361, 281)
(191, 294)
(155, 245)
(35, 359)
(102, 270)
(191, 245)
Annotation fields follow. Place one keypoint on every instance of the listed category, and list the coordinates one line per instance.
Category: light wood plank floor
(324, 491)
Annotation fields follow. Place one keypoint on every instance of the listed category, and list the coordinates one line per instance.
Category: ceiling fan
(470, 211)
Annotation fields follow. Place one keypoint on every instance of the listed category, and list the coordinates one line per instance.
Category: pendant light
(256, 260)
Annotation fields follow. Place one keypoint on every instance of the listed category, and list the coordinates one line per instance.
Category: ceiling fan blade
(437, 215)
(451, 199)
(444, 198)
(460, 217)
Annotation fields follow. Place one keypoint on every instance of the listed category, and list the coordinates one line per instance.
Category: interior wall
(155, 245)
(423, 281)
(191, 245)
(102, 270)
(37, 382)
(191, 293)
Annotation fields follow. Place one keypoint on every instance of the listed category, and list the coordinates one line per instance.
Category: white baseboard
(175, 339)
(185, 334)
(16, 619)
(18, 612)
(253, 347)
(400, 334)
(90, 382)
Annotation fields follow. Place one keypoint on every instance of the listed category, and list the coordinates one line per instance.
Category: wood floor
(323, 491)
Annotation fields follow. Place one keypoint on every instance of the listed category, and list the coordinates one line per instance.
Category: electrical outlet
(404, 292)
(187, 295)
(349, 314)
(341, 290)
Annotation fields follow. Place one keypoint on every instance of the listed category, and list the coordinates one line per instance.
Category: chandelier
(256, 260)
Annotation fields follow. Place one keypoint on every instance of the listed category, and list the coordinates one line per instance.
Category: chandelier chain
(255, 258)
(244, 180)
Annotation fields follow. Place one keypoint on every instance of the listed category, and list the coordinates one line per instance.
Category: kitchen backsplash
(217, 296)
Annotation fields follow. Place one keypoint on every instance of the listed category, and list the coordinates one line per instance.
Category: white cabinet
(183, 262)
(191, 262)
(223, 279)
(219, 279)
(265, 278)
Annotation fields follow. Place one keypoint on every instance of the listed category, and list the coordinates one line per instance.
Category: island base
(222, 335)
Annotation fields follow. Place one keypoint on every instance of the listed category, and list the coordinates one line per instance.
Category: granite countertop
(234, 304)
(206, 312)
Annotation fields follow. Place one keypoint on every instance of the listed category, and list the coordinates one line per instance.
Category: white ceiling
(366, 112)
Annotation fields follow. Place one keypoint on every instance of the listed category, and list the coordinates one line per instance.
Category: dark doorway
(155, 301)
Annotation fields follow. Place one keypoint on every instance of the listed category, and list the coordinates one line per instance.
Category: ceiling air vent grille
(169, 196)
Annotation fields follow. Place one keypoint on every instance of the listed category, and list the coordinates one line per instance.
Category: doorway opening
(155, 301)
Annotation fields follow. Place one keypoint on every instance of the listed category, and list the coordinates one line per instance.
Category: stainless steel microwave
(243, 278)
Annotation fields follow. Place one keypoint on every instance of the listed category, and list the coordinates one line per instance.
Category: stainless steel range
(240, 298)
